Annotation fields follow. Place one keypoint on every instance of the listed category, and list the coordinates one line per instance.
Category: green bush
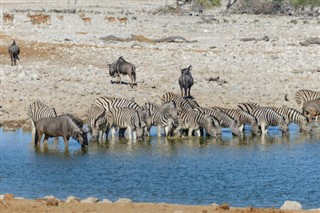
(302, 3)
(207, 3)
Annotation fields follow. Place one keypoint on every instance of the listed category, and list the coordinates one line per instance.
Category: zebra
(266, 116)
(124, 117)
(109, 103)
(293, 116)
(224, 119)
(38, 110)
(97, 120)
(164, 116)
(194, 120)
(305, 95)
(150, 106)
(242, 118)
(248, 107)
(181, 103)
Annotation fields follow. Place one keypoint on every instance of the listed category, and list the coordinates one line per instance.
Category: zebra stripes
(181, 103)
(268, 117)
(38, 110)
(293, 116)
(305, 95)
(163, 117)
(97, 120)
(124, 117)
(242, 118)
(248, 107)
(194, 120)
(225, 120)
(109, 103)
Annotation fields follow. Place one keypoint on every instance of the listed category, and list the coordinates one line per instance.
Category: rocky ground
(64, 64)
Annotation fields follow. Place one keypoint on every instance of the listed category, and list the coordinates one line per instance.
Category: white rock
(1, 197)
(19, 198)
(105, 201)
(291, 205)
(49, 197)
(90, 200)
(72, 199)
(124, 200)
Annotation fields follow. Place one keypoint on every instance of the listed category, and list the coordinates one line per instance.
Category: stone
(291, 205)
(105, 201)
(90, 200)
(72, 199)
(52, 202)
(8, 197)
(124, 200)
(225, 206)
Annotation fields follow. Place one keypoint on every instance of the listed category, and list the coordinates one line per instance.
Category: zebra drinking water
(194, 120)
(293, 116)
(124, 117)
(224, 119)
(181, 103)
(302, 96)
(97, 120)
(163, 117)
(268, 117)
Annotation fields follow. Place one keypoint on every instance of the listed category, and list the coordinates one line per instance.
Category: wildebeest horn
(190, 67)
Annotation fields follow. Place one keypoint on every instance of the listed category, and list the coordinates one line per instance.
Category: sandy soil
(12, 206)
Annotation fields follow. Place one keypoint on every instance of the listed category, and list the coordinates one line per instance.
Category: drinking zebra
(293, 116)
(150, 106)
(97, 120)
(224, 119)
(38, 110)
(248, 107)
(305, 95)
(163, 117)
(268, 117)
(242, 118)
(124, 117)
(193, 120)
(181, 103)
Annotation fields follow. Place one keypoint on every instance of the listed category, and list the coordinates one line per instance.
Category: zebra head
(304, 125)
(283, 125)
(213, 127)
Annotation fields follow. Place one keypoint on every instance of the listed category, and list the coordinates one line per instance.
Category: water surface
(253, 170)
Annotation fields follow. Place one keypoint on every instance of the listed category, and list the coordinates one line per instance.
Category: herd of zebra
(179, 115)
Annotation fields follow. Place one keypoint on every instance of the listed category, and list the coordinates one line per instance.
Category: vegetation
(304, 3)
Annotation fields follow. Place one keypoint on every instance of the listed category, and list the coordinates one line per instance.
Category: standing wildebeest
(64, 125)
(123, 67)
(186, 81)
(311, 109)
(14, 51)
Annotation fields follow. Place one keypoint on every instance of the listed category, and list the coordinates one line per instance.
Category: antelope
(110, 18)
(8, 18)
(123, 20)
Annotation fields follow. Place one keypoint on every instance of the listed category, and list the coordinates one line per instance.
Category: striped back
(182, 103)
(293, 116)
(38, 110)
(96, 116)
(248, 107)
(195, 119)
(123, 117)
(164, 114)
(304, 95)
(270, 117)
(225, 120)
(150, 106)
(109, 103)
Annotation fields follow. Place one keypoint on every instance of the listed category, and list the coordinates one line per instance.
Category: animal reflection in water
(65, 126)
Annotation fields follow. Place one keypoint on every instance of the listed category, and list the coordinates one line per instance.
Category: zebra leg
(190, 132)
(263, 128)
(159, 131)
(113, 132)
(129, 129)
(33, 130)
(241, 127)
(198, 132)
(134, 134)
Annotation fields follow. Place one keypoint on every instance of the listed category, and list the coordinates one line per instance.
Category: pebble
(291, 205)
(90, 200)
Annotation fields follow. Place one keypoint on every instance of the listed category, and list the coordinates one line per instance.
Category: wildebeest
(311, 109)
(65, 126)
(186, 81)
(14, 52)
(123, 67)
